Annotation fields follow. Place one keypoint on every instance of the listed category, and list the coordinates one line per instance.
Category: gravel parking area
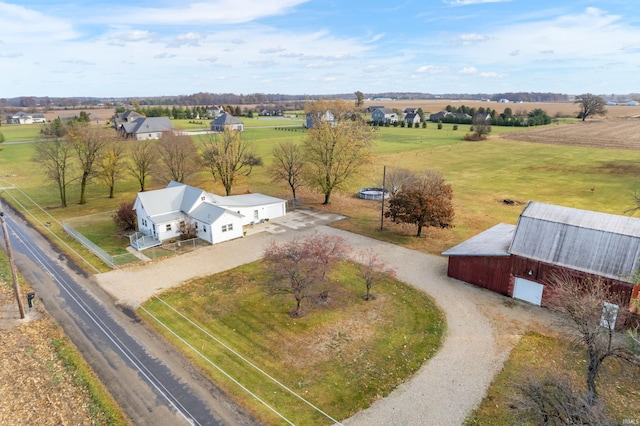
(482, 326)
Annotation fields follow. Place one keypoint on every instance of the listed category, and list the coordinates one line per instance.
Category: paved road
(153, 383)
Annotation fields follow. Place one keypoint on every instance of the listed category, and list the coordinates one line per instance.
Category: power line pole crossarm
(12, 266)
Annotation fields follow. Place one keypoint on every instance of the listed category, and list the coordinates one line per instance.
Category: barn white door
(528, 291)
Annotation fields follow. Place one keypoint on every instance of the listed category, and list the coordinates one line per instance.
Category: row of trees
(330, 155)
(84, 154)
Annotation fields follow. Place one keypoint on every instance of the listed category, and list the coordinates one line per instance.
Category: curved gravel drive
(445, 389)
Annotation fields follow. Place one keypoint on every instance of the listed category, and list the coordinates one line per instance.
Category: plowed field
(613, 134)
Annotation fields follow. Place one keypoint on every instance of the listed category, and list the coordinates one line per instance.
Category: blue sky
(165, 47)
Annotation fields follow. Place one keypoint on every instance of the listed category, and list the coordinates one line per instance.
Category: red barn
(517, 261)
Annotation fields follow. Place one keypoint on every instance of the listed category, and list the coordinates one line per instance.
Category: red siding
(490, 272)
(540, 272)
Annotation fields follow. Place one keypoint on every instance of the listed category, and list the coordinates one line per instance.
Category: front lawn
(341, 356)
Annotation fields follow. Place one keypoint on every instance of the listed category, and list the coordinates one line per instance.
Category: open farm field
(613, 134)
(589, 175)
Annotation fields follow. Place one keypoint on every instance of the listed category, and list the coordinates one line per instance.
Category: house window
(168, 227)
(202, 198)
(224, 228)
(204, 228)
(230, 227)
(196, 225)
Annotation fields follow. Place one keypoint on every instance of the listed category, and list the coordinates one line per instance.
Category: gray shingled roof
(148, 125)
(592, 242)
(492, 242)
(226, 120)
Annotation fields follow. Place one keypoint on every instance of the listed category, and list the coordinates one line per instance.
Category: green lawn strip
(21, 132)
(537, 354)
(340, 357)
(103, 408)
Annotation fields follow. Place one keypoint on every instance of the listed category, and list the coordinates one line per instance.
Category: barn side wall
(490, 272)
(541, 272)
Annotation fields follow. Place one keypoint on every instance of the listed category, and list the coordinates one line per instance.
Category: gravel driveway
(482, 326)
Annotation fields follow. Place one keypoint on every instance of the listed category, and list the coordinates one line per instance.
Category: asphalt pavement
(153, 383)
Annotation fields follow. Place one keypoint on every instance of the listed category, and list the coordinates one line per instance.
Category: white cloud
(217, 11)
(272, 50)
(469, 39)
(468, 2)
(188, 39)
(19, 24)
(468, 70)
(431, 69)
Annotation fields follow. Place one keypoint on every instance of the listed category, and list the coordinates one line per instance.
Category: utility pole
(16, 286)
(384, 175)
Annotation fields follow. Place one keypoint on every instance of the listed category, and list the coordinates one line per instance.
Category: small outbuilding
(518, 261)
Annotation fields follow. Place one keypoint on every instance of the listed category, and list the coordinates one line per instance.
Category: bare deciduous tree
(88, 144)
(590, 105)
(336, 150)
(299, 266)
(142, 159)
(111, 164)
(178, 157)
(372, 269)
(55, 157)
(397, 179)
(591, 309)
(552, 400)
(425, 200)
(227, 156)
(288, 165)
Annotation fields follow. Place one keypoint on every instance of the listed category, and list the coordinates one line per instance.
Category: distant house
(270, 112)
(125, 117)
(482, 116)
(372, 108)
(144, 128)
(410, 110)
(226, 122)
(162, 213)
(384, 115)
(313, 117)
(442, 115)
(518, 261)
(24, 118)
(412, 118)
(631, 103)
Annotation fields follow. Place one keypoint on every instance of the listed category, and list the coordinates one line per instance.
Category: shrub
(125, 217)
(455, 127)
(439, 126)
(424, 124)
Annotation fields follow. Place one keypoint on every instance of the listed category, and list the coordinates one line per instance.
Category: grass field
(538, 355)
(482, 174)
(341, 356)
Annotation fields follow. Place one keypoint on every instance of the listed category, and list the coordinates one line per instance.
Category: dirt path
(482, 326)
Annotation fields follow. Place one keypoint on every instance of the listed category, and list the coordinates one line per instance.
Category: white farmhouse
(162, 212)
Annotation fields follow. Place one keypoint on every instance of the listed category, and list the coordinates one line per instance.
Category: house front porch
(141, 241)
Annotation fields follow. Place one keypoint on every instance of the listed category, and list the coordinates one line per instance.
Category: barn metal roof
(492, 242)
(592, 242)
